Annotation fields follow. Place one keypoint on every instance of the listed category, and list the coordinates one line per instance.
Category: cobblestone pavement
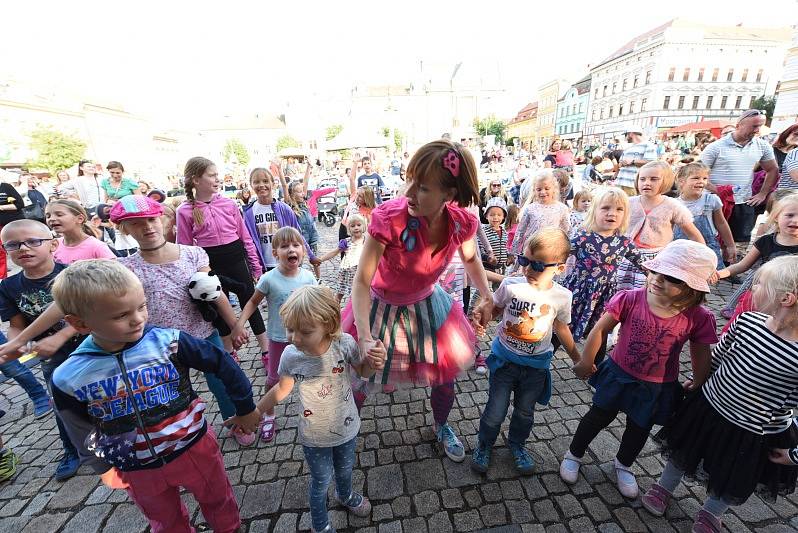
(413, 487)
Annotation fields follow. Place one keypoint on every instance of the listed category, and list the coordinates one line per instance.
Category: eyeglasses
(13, 246)
(669, 279)
(537, 266)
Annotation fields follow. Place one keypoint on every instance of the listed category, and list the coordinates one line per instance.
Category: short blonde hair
(604, 194)
(778, 276)
(554, 240)
(666, 173)
(285, 235)
(778, 207)
(312, 304)
(545, 174)
(356, 217)
(77, 287)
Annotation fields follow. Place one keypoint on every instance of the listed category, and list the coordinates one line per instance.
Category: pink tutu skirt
(429, 342)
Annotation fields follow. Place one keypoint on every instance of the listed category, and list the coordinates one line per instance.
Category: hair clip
(410, 240)
(451, 161)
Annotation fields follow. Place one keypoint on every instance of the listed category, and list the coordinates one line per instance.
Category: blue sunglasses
(537, 266)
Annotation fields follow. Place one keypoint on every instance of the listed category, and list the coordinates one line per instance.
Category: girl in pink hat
(641, 376)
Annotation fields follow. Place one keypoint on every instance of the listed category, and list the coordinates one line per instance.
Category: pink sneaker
(267, 429)
(481, 365)
(244, 439)
(706, 522)
(388, 388)
(656, 499)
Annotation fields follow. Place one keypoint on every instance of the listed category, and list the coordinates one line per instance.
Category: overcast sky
(179, 59)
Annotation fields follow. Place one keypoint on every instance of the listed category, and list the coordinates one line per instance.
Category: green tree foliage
(235, 148)
(55, 150)
(490, 126)
(333, 131)
(286, 141)
(398, 138)
(766, 104)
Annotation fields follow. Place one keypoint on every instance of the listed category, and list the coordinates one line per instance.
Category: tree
(333, 131)
(235, 148)
(766, 104)
(490, 126)
(54, 150)
(397, 137)
(286, 141)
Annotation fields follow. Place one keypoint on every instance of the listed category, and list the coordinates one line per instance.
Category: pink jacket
(223, 225)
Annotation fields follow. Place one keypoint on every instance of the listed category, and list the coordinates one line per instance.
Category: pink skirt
(429, 342)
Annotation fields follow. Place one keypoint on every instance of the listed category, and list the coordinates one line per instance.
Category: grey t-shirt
(329, 415)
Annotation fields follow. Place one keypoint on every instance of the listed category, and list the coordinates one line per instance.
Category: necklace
(153, 249)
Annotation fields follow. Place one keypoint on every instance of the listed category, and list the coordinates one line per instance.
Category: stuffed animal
(205, 288)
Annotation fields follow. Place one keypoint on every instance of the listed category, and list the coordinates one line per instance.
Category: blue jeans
(215, 385)
(323, 462)
(25, 378)
(526, 384)
(48, 367)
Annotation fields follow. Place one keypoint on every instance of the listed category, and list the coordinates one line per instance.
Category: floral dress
(592, 278)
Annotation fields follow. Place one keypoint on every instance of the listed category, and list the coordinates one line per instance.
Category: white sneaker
(569, 468)
(627, 483)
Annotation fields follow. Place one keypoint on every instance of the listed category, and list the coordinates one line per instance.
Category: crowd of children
(118, 339)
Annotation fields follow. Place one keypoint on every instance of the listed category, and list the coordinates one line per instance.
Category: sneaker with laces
(267, 429)
(481, 365)
(42, 410)
(451, 444)
(8, 465)
(68, 466)
(524, 464)
(357, 504)
(569, 468)
(626, 481)
(480, 459)
(656, 499)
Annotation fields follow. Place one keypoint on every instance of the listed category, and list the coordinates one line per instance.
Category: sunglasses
(669, 279)
(537, 266)
(13, 246)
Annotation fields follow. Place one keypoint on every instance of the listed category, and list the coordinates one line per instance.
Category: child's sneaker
(569, 468)
(67, 467)
(451, 444)
(267, 429)
(706, 522)
(8, 465)
(245, 439)
(328, 529)
(480, 459)
(480, 365)
(358, 504)
(626, 481)
(388, 388)
(524, 464)
(656, 499)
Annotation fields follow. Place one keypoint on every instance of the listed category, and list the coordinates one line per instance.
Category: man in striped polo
(732, 159)
(635, 155)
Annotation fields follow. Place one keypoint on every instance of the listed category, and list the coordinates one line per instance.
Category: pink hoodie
(223, 225)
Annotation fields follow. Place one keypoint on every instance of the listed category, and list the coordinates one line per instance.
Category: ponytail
(195, 168)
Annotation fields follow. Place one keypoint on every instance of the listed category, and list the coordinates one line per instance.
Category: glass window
(723, 102)
(695, 102)
(625, 82)
(701, 74)
(738, 102)
(671, 74)
(614, 86)
(751, 103)
(745, 75)
(709, 102)
(730, 74)
(715, 74)
(643, 103)
(620, 110)
(759, 75)
(666, 103)
(686, 75)
(681, 102)
(648, 77)
(604, 92)
(635, 81)
(631, 107)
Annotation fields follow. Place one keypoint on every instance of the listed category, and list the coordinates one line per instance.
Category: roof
(583, 85)
(246, 122)
(630, 46)
(529, 111)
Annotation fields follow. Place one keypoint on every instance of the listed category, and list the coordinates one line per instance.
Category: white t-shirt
(266, 223)
(529, 313)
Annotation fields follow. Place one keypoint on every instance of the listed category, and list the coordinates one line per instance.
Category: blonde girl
(581, 205)
(77, 238)
(351, 247)
(652, 217)
(541, 210)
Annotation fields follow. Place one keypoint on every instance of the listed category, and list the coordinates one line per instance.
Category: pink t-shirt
(90, 248)
(405, 276)
(166, 288)
(564, 158)
(655, 228)
(648, 346)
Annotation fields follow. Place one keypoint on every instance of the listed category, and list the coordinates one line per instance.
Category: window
(709, 102)
(695, 102)
(614, 86)
(701, 74)
(631, 107)
(625, 83)
(730, 74)
(686, 75)
(751, 103)
(738, 102)
(604, 91)
(601, 114)
(612, 109)
(723, 102)
(745, 75)
(593, 116)
(759, 76)
(573, 109)
(681, 102)
(666, 103)
(648, 77)
(671, 73)
(580, 106)
(620, 110)
(596, 95)
(643, 104)
(715, 74)
(635, 81)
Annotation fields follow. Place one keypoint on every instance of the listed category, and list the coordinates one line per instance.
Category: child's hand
(46, 347)
(376, 355)
(730, 253)
(484, 309)
(492, 259)
(240, 339)
(315, 261)
(248, 423)
(691, 385)
(11, 350)
(722, 274)
(780, 456)
(583, 371)
(713, 278)
(112, 479)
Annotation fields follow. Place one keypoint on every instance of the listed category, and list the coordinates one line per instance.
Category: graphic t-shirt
(529, 314)
(267, 225)
(770, 248)
(374, 181)
(31, 298)
(329, 415)
(276, 288)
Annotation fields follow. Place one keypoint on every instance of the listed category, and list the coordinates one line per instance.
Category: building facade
(524, 127)
(786, 112)
(572, 111)
(548, 95)
(683, 72)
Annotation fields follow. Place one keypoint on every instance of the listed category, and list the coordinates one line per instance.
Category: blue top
(276, 288)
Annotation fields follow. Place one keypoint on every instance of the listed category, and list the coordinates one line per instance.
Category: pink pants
(200, 470)
(271, 362)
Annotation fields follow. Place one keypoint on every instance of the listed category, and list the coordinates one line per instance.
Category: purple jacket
(285, 217)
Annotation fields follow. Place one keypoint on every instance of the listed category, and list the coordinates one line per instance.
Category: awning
(712, 126)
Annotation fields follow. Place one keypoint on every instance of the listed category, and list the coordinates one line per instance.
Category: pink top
(536, 216)
(166, 288)
(648, 346)
(407, 276)
(564, 158)
(655, 228)
(90, 248)
(223, 225)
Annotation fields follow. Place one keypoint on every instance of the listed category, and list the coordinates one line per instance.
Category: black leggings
(231, 260)
(633, 439)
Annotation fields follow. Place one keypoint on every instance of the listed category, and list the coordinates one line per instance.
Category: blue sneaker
(480, 459)
(43, 409)
(68, 467)
(524, 464)
(451, 444)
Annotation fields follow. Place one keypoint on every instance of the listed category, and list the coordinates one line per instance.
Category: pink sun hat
(135, 206)
(688, 261)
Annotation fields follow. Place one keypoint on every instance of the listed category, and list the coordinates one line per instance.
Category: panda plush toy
(205, 288)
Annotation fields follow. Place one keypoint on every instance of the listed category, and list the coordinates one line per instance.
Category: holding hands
(374, 353)
(248, 423)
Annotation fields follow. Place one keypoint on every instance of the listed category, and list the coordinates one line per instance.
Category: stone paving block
(262, 499)
(37, 503)
(493, 514)
(545, 511)
(582, 525)
(391, 527)
(424, 475)
(88, 519)
(73, 491)
(427, 503)
(126, 518)
(467, 521)
(384, 482)
(45, 523)
(12, 507)
(262, 526)
(629, 520)
(414, 525)
(401, 507)
(519, 511)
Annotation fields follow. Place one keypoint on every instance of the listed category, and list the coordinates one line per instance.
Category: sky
(183, 61)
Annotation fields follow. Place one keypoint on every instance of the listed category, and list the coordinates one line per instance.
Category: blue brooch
(409, 238)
